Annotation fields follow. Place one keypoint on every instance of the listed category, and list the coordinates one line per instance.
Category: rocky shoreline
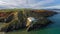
(22, 17)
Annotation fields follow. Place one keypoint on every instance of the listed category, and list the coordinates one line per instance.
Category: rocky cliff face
(22, 19)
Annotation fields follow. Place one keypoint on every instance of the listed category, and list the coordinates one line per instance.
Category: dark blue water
(56, 21)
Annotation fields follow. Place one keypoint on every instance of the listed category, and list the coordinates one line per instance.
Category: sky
(35, 4)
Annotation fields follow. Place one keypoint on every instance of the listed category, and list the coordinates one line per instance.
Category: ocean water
(56, 21)
(53, 28)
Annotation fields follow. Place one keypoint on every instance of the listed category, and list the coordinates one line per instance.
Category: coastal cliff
(22, 16)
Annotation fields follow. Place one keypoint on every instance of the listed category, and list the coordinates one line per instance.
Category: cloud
(14, 3)
(41, 3)
(3, 3)
(25, 3)
(53, 7)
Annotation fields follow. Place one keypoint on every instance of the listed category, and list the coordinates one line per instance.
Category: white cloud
(14, 3)
(6, 3)
(41, 3)
(25, 3)
(3, 3)
(53, 7)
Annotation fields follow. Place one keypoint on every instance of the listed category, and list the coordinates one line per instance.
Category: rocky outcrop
(41, 15)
